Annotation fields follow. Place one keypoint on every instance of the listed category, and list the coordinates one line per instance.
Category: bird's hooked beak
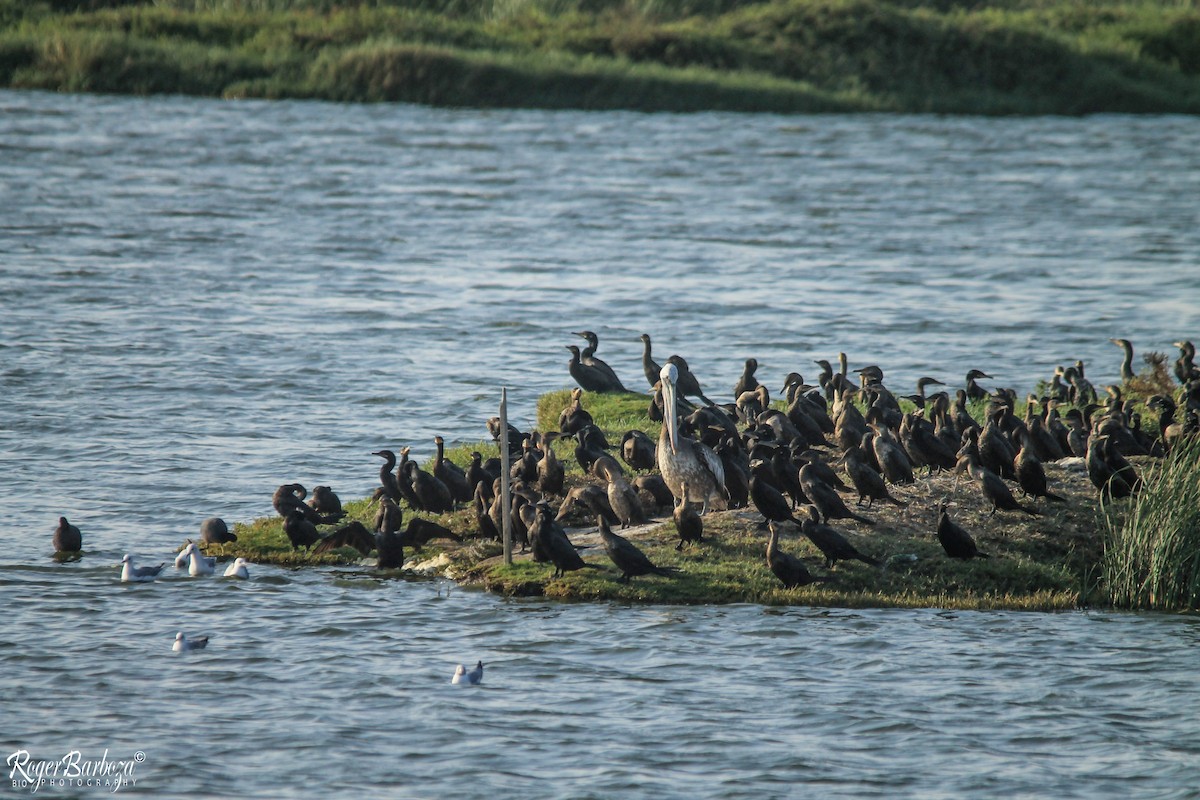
(669, 375)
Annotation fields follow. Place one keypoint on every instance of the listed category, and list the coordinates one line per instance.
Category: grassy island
(943, 56)
(1140, 553)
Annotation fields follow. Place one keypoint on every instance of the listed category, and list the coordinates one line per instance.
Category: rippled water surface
(201, 300)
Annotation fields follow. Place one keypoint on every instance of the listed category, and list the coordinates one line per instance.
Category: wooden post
(505, 493)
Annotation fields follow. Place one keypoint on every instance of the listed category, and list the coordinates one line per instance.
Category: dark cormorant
(769, 501)
(386, 478)
(926, 381)
(890, 455)
(588, 377)
(1169, 430)
(752, 403)
(747, 382)
(514, 436)
(290, 496)
(1185, 366)
(300, 532)
(996, 452)
(591, 497)
(452, 475)
(688, 523)
(525, 467)
(214, 531)
(685, 382)
(404, 481)
(588, 357)
(682, 459)
(1031, 475)
(963, 421)
(67, 538)
(637, 449)
(551, 473)
(389, 517)
(995, 490)
(974, 391)
(955, 540)
(625, 501)
(1126, 362)
(649, 365)
(789, 569)
(574, 417)
(787, 476)
(631, 561)
(325, 501)
(825, 498)
(810, 420)
(920, 440)
(432, 495)
(832, 544)
(477, 474)
(591, 447)
(868, 483)
(654, 486)
(421, 531)
(1077, 433)
(389, 545)
(550, 543)
(353, 534)
(487, 528)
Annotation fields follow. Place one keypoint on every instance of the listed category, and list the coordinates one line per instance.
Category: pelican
(683, 460)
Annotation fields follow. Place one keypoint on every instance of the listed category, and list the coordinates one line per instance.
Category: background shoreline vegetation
(942, 56)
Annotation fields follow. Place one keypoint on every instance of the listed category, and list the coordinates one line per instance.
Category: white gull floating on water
(141, 574)
(200, 564)
(237, 569)
(473, 677)
(183, 643)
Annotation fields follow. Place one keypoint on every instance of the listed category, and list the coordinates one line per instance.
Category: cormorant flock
(841, 439)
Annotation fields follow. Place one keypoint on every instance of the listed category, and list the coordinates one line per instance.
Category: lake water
(202, 300)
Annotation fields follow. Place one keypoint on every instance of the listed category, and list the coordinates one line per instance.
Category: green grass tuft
(1152, 557)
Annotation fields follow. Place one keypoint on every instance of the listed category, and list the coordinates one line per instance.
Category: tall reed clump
(1152, 557)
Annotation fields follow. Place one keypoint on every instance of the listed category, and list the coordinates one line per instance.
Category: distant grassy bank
(947, 56)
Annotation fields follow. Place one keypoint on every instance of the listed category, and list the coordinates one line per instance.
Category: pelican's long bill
(668, 375)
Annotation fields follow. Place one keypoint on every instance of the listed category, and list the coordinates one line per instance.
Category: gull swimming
(473, 677)
(182, 643)
(140, 574)
(238, 569)
(200, 564)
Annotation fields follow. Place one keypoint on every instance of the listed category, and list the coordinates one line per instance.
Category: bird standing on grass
(628, 558)
(789, 569)
(955, 540)
(688, 523)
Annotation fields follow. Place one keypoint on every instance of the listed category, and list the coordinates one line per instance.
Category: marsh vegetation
(998, 57)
